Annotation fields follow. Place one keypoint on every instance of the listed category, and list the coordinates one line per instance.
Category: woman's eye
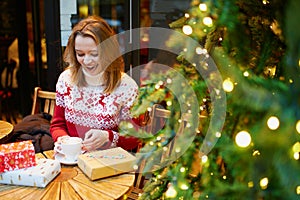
(80, 55)
(94, 55)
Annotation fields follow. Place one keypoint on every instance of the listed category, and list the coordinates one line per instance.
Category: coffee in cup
(70, 147)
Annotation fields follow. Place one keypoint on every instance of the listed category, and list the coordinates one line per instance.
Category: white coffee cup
(70, 147)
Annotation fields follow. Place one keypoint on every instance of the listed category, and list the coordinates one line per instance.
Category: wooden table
(6, 129)
(72, 184)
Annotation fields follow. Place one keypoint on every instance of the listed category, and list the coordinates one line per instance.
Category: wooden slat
(108, 188)
(86, 192)
(53, 191)
(37, 193)
(68, 193)
(124, 179)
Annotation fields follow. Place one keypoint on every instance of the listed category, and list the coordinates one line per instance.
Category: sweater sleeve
(58, 125)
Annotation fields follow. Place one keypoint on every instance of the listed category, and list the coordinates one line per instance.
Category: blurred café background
(33, 35)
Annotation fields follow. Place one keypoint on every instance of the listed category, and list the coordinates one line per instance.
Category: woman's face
(87, 54)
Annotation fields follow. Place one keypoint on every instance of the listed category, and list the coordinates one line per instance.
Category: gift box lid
(16, 147)
(17, 155)
(104, 163)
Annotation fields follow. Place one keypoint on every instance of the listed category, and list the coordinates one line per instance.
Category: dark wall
(8, 25)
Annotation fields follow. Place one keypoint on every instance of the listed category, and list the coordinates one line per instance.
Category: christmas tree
(248, 145)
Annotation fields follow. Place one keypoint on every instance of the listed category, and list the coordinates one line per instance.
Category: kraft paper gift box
(16, 155)
(39, 176)
(105, 163)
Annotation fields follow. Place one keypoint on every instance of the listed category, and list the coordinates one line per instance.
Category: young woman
(94, 94)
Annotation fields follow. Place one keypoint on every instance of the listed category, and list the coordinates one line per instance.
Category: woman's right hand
(95, 139)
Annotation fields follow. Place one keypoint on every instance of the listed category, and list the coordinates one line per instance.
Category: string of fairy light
(242, 138)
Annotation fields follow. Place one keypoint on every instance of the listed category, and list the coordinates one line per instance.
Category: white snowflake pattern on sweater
(91, 107)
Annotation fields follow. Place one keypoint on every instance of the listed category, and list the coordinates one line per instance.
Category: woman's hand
(95, 139)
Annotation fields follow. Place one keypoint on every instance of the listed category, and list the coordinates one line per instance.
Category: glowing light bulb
(171, 192)
(296, 147)
(256, 153)
(165, 148)
(178, 149)
(203, 7)
(187, 29)
(265, 2)
(298, 126)
(186, 15)
(273, 123)
(182, 169)
(296, 150)
(246, 73)
(298, 189)
(228, 85)
(243, 139)
(204, 159)
(135, 167)
(264, 183)
(169, 103)
(296, 156)
(250, 184)
(184, 186)
(200, 50)
(208, 21)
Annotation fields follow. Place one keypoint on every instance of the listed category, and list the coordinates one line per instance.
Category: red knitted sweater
(81, 109)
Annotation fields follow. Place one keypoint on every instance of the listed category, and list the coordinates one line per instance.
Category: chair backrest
(43, 101)
(158, 118)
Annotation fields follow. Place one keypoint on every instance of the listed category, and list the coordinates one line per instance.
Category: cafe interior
(234, 135)
(33, 37)
(38, 60)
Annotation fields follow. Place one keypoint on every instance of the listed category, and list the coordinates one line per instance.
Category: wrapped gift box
(39, 176)
(16, 155)
(105, 163)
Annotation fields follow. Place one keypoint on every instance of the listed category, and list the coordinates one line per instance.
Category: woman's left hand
(95, 139)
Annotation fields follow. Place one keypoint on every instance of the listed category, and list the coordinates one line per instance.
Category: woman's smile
(87, 54)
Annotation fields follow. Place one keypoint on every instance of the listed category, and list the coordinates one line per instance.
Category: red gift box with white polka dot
(17, 155)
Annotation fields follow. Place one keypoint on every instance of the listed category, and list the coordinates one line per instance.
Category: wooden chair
(157, 121)
(158, 118)
(43, 101)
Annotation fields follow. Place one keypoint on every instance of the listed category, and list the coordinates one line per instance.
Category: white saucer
(62, 159)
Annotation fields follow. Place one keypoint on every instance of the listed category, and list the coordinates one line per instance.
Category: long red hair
(108, 47)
